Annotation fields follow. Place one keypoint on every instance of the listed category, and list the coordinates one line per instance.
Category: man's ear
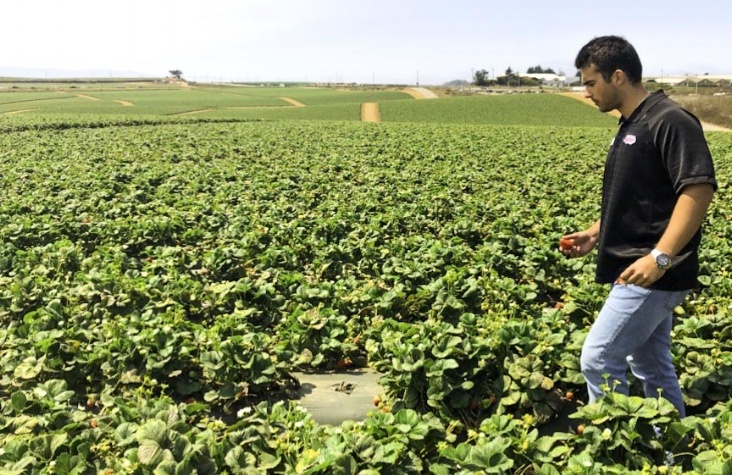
(618, 78)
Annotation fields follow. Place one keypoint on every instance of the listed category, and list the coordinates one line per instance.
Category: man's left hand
(643, 272)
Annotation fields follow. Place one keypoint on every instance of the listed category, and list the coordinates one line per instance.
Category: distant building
(707, 80)
(553, 80)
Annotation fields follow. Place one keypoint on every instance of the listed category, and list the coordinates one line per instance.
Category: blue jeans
(633, 329)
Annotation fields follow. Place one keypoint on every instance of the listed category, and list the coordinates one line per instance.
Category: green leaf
(511, 398)
(58, 440)
(268, 461)
(707, 462)
(67, 464)
(18, 401)
(25, 424)
(559, 451)
(491, 457)
(171, 467)
(547, 469)
(408, 416)
(211, 396)
(306, 356)
(545, 444)
(364, 446)
(126, 432)
(150, 452)
(450, 364)
(628, 405)
(404, 428)
(535, 380)
(459, 454)
(154, 430)
(236, 458)
(28, 369)
(388, 454)
(440, 469)
(64, 396)
(530, 296)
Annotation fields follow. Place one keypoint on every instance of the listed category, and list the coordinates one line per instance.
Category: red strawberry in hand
(566, 244)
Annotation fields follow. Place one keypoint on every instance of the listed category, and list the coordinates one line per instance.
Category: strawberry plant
(161, 280)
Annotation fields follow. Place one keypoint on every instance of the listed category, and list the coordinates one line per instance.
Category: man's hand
(643, 272)
(583, 243)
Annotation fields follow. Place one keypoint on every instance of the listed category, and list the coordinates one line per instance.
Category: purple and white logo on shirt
(629, 139)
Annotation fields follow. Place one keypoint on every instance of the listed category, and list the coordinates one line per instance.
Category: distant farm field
(229, 102)
(249, 103)
(524, 109)
(170, 259)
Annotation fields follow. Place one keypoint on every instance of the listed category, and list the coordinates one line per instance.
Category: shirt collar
(650, 101)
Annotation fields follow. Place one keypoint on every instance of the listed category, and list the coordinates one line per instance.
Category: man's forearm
(594, 230)
(687, 217)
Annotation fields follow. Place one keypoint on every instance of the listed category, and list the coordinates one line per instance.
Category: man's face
(605, 95)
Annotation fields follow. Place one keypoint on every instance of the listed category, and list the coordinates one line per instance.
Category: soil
(201, 111)
(292, 101)
(334, 397)
(714, 128)
(420, 93)
(88, 97)
(370, 112)
(18, 111)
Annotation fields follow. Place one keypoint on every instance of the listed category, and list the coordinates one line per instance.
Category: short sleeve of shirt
(684, 150)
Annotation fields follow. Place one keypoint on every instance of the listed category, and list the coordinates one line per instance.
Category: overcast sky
(364, 41)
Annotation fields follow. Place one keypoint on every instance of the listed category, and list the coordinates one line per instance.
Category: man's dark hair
(608, 54)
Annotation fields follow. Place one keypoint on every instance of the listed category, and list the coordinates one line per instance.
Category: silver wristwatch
(663, 261)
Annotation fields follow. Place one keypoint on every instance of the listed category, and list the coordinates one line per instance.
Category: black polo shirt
(657, 151)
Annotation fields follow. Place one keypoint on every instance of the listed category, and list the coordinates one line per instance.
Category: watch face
(663, 261)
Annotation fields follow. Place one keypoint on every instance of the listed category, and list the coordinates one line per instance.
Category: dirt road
(292, 101)
(89, 98)
(420, 93)
(17, 112)
(370, 112)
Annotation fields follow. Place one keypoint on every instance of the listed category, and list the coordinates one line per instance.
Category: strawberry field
(160, 283)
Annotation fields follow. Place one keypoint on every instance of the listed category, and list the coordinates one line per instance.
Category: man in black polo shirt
(657, 186)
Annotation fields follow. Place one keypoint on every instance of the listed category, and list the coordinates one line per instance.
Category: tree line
(511, 78)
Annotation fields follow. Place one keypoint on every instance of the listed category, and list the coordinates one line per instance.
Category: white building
(548, 79)
(719, 80)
